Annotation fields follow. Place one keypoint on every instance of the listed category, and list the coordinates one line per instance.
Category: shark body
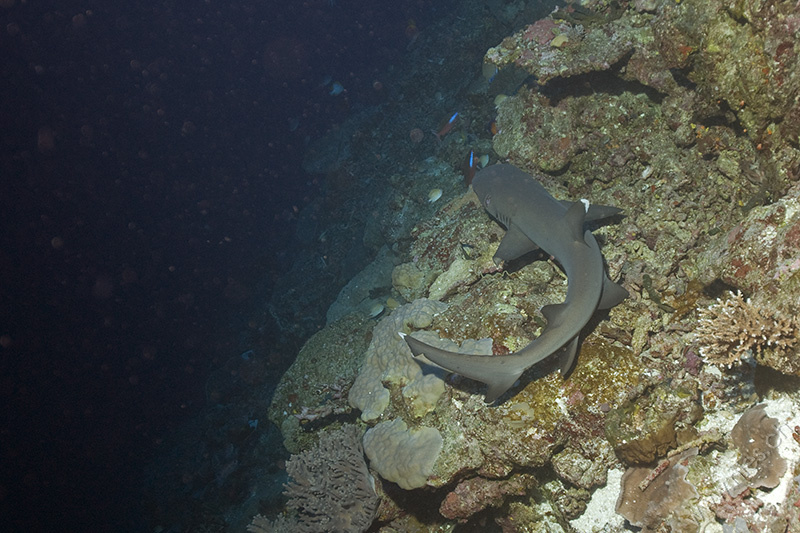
(533, 219)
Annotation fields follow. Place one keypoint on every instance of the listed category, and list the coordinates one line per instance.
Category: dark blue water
(150, 169)
(168, 244)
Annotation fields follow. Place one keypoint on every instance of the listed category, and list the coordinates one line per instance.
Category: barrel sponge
(404, 456)
(388, 359)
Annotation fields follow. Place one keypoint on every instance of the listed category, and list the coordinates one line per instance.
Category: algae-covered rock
(315, 383)
(564, 49)
(644, 430)
(760, 254)
(461, 272)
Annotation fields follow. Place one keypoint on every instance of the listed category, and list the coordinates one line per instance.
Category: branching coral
(729, 328)
(330, 489)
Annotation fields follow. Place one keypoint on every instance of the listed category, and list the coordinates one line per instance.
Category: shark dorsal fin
(574, 219)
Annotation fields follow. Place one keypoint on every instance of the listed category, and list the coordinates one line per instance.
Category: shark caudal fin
(499, 373)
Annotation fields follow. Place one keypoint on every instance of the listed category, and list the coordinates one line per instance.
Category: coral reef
(389, 361)
(633, 106)
(402, 455)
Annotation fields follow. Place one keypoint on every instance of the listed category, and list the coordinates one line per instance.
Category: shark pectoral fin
(514, 244)
(574, 219)
(567, 355)
(613, 294)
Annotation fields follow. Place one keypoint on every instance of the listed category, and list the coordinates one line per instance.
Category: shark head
(488, 184)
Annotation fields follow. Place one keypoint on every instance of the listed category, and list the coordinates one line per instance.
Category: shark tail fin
(484, 368)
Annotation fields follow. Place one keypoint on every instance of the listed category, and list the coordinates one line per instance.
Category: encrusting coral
(728, 329)
(647, 499)
(756, 437)
(330, 488)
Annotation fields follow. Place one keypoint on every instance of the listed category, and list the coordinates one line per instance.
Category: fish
(447, 127)
(469, 167)
(336, 89)
(489, 71)
(533, 219)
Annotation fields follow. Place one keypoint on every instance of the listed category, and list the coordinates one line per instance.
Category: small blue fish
(469, 168)
(336, 88)
(447, 127)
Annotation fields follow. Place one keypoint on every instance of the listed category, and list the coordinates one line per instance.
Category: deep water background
(151, 179)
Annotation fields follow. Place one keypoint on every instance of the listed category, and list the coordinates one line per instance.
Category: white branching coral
(728, 329)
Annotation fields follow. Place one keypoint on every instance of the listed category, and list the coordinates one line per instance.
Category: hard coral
(756, 437)
(730, 328)
(647, 507)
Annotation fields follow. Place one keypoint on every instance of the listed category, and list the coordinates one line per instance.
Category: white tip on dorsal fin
(574, 219)
(585, 203)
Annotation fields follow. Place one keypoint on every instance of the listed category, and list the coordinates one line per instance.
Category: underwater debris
(756, 437)
(664, 495)
(729, 329)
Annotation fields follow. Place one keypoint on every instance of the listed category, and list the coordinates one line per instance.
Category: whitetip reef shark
(534, 219)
